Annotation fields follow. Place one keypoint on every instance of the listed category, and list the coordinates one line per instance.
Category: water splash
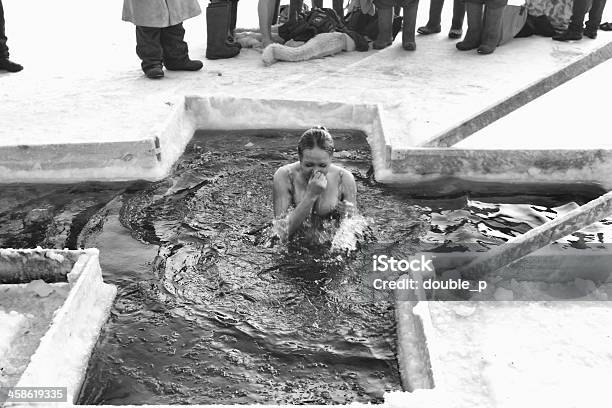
(352, 229)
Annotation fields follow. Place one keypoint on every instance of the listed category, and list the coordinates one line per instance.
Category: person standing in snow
(576, 27)
(5, 63)
(160, 34)
(384, 8)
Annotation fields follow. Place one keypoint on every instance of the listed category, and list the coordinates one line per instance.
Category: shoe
(568, 35)
(220, 43)
(155, 72)
(425, 30)
(385, 29)
(592, 34)
(605, 26)
(10, 66)
(189, 65)
(410, 16)
(491, 29)
(474, 31)
(455, 33)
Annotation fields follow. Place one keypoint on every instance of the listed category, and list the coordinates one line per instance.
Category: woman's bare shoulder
(343, 173)
(284, 172)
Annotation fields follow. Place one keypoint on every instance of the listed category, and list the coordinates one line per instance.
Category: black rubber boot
(474, 31)
(410, 16)
(491, 30)
(218, 23)
(385, 28)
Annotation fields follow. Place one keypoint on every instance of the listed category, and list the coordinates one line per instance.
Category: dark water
(209, 311)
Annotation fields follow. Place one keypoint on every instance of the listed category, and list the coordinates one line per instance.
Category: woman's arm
(281, 195)
(349, 193)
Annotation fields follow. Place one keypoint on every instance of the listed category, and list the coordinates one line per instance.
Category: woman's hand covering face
(317, 183)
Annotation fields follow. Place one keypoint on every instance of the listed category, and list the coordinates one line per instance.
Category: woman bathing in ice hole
(313, 185)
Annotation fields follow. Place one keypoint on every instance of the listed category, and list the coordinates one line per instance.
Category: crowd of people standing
(160, 34)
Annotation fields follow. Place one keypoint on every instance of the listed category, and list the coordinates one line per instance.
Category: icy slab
(35, 302)
(486, 353)
(71, 315)
(536, 334)
(10, 327)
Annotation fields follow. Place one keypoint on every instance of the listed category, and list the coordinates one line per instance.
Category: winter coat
(159, 13)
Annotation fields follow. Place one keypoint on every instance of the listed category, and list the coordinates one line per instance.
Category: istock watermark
(384, 263)
(417, 274)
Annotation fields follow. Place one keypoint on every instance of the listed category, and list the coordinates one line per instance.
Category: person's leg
(491, 29)
(384, 9)
(265, 9)
(410, 16)
(574, 30)
(4, 51)
(592, 25)
(435, 14)
(149, 50)
(338, 6)
(458, 15)
(234, 17)
(5, 63)
(295, 7)
(474, 32)
(176, 51)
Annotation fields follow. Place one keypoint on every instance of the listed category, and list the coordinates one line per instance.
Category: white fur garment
(322, 45)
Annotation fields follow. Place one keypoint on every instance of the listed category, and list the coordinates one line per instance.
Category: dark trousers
(4, 51)
(579, 10)
(435, 13)
(155, 46)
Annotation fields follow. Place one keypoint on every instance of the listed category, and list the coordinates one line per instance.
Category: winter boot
(595, 14)
(154, 72)
(491, 31)
(474, 31)
(574, 29)
(10, 66)
(456, 30)
(433, 24)
(571, 34)
(385, 28)
(410, 16)
(218, 23)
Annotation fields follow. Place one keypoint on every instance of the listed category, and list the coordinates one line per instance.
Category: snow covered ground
(82, 80)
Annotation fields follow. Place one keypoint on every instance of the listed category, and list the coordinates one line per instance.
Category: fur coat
(159, 13)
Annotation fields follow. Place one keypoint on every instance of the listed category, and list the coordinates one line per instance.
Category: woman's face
(315, 159)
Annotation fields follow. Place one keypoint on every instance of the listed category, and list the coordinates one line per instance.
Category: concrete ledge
(65, 163)
(63, 353)
(513, 166)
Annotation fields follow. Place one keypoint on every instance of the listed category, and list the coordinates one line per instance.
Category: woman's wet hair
(317, 136)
